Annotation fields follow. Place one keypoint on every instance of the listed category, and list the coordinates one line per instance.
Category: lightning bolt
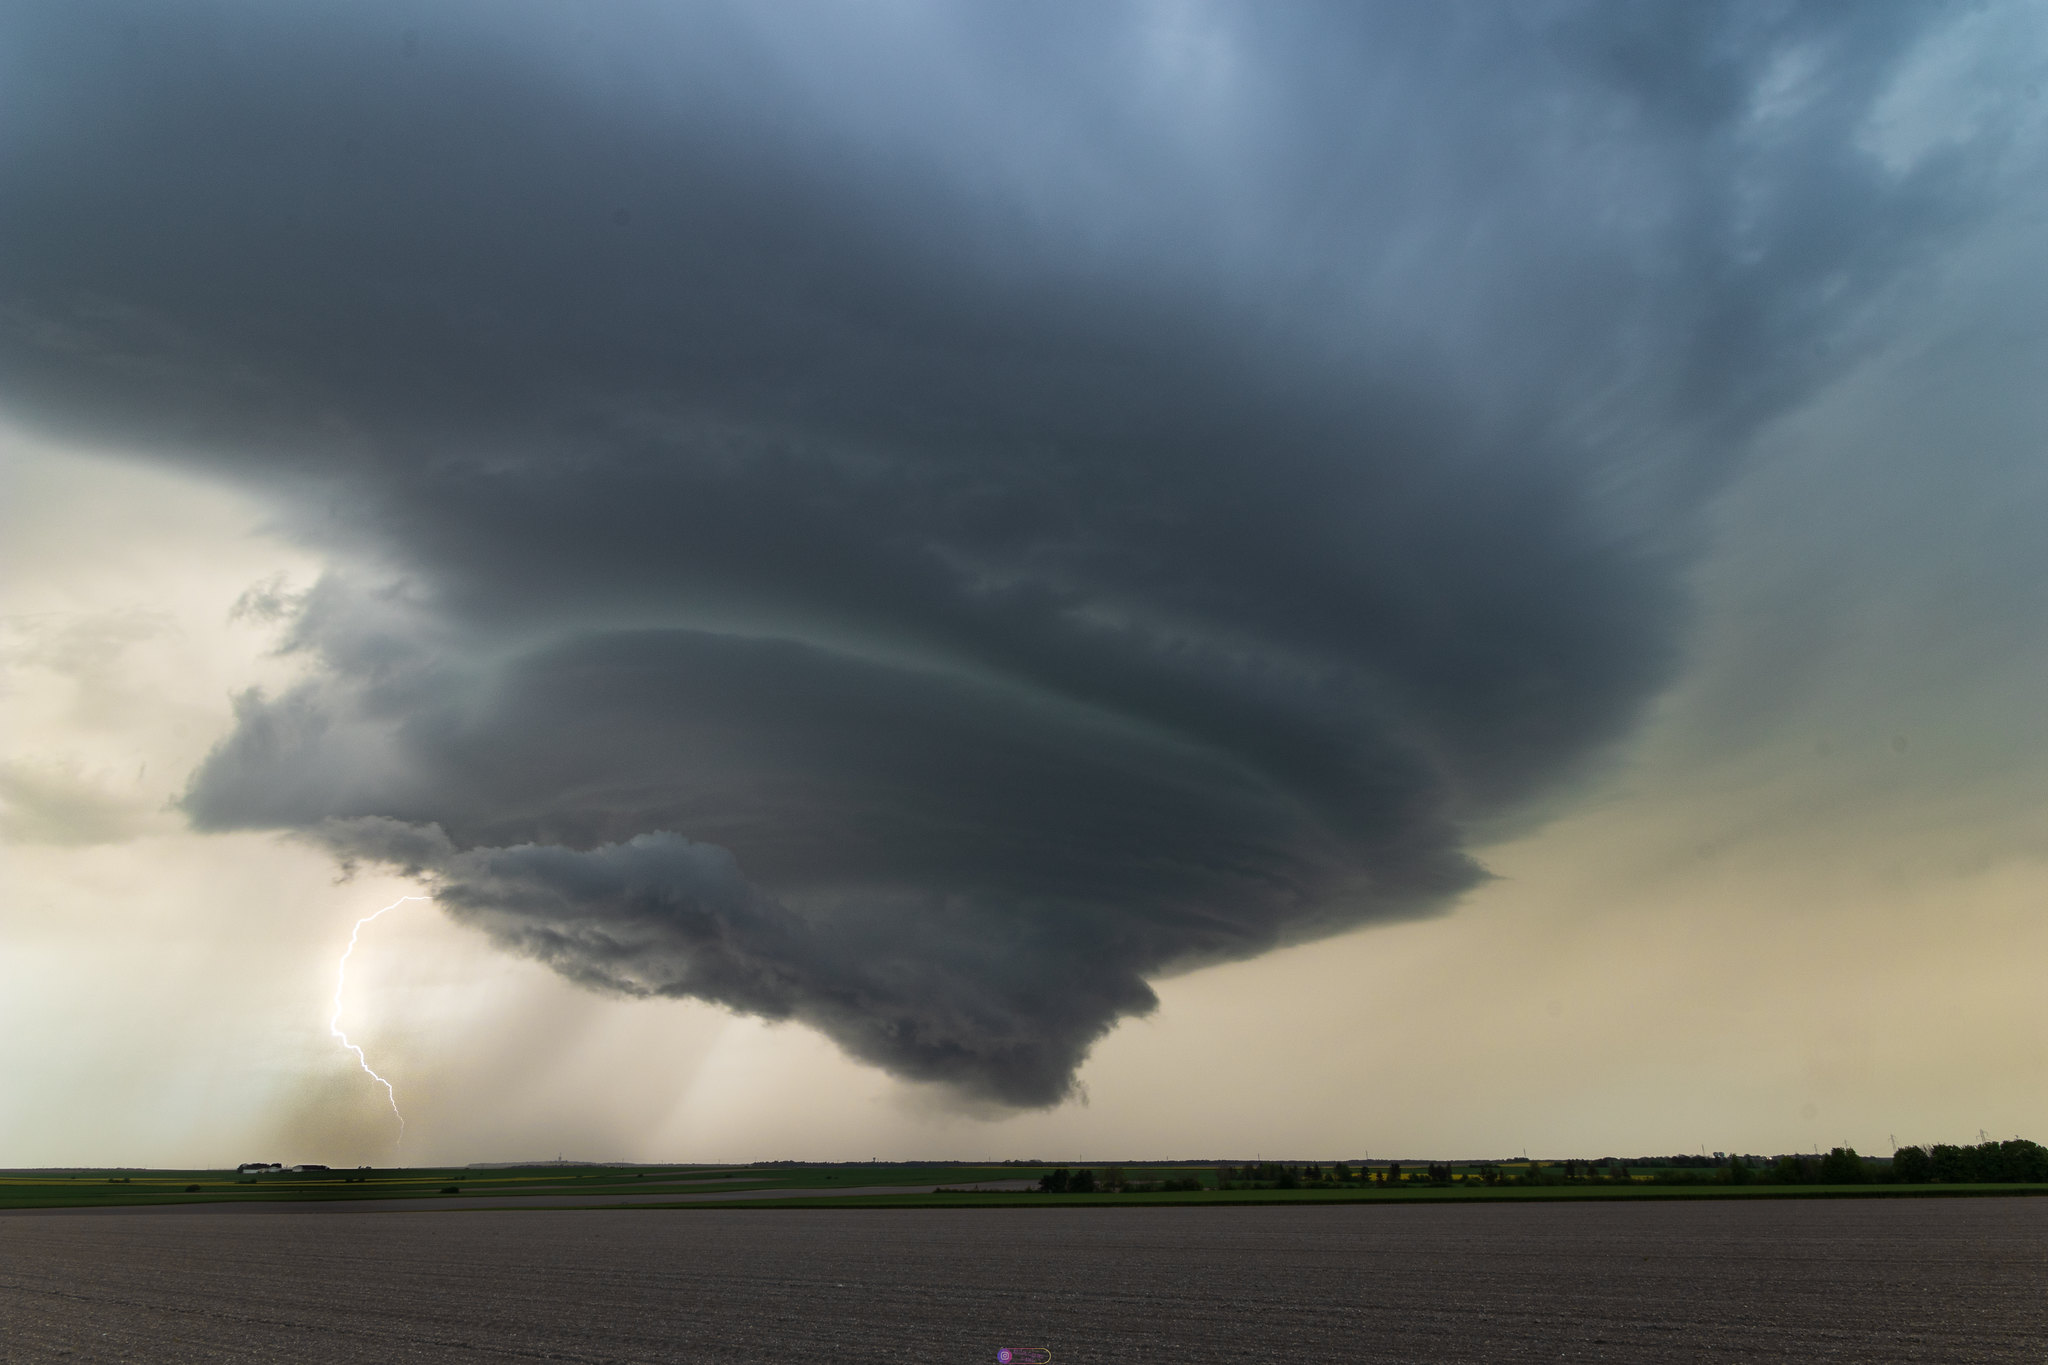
(334, 1020)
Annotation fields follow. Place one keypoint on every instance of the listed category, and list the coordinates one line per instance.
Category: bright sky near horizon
(1155, 580)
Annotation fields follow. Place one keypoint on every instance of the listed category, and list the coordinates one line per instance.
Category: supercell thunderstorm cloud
(917, 519)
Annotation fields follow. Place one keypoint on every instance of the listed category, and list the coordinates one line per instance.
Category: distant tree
(1393, 1173)
(1739, 1172)
(1910, 1166)
(1056, 1182)
(1082, 1182)
(1841, 1166)
(2011, 1161)
(2023, 1160)
(1290, 1178)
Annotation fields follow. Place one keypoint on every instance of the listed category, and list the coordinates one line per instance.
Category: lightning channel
(334, 1020)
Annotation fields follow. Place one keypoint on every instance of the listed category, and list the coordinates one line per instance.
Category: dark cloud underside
(916, 522)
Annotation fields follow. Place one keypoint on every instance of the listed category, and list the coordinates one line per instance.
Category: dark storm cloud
(918, 520)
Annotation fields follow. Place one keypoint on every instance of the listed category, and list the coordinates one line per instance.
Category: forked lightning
(334, 1020)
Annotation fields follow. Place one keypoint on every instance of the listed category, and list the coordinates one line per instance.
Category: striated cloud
(917, 522)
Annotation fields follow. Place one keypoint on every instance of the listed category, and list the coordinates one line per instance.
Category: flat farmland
(1794, 1280)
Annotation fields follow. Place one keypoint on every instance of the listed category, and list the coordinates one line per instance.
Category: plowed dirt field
(1792, 1280)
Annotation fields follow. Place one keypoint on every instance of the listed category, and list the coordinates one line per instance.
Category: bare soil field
(1793, 1280)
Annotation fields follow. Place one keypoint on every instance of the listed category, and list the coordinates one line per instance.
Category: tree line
(2013, 1161)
